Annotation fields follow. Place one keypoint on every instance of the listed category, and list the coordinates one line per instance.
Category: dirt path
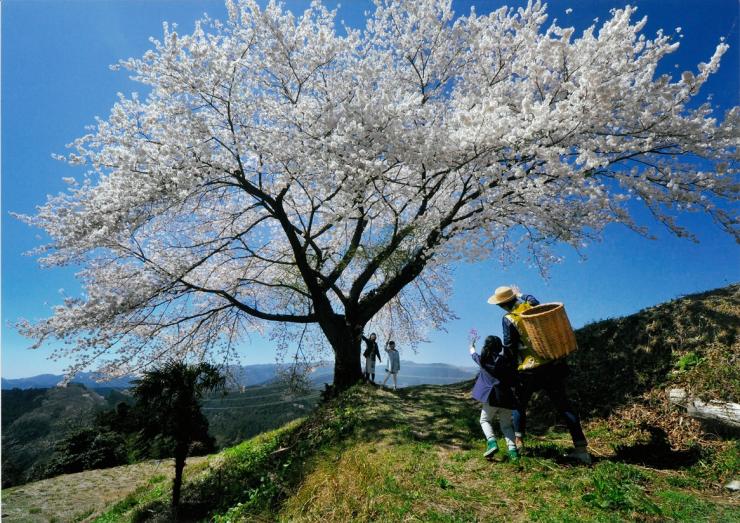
(74, 497)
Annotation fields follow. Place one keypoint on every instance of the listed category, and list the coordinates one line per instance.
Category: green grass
(376, 456)
(440, 475)
(242, 475)
(620, 488)
(155, 489)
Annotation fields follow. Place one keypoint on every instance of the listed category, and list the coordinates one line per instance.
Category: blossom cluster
(281, 174)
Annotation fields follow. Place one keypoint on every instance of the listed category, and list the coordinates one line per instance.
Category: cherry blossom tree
(282, 176)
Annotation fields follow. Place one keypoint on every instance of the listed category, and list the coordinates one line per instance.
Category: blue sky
(55, 80)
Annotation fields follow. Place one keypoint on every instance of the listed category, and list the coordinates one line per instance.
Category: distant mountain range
(45, 381)
(248, 375)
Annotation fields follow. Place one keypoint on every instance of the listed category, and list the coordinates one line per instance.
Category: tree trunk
(180, 455)
(347, 345)
(347, 366)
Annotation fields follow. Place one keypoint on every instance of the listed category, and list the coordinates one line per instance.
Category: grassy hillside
(692, 342)
(624, 366)
(416, 455)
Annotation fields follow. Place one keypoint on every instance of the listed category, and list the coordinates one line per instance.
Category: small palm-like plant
(170, 396)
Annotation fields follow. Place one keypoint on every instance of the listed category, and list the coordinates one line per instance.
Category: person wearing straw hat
(536, 372)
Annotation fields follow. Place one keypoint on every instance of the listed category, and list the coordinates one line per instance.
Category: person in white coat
(393, 364)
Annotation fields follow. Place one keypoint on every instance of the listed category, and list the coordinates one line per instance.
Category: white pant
(488, 413)
(388, 375)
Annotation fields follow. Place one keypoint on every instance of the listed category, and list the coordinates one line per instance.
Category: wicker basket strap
(528, 358)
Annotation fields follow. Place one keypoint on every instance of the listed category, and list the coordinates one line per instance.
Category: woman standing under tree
(371, 352)
(394, 364)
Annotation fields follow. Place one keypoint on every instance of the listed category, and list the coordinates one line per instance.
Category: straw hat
(502, 295)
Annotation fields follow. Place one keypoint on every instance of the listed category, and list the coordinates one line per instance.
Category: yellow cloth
(529, 359)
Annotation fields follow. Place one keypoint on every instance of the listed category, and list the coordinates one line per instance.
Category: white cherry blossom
(281, 176)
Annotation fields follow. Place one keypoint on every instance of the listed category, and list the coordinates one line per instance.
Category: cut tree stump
(721, 413)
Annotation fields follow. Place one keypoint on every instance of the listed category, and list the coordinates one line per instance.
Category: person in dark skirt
(371, 352)
(494, 389)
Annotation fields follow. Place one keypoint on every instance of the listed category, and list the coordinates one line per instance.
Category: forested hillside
(35, 420)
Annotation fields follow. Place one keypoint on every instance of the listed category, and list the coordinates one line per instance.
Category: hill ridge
(374, 455)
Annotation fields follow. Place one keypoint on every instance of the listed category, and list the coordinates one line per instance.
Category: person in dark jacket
(494, 389)
(535, 372)
(371, 352)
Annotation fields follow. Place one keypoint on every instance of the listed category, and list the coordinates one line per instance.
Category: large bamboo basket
(549, 330)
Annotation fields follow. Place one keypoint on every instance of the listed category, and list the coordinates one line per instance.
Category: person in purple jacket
(494, 389)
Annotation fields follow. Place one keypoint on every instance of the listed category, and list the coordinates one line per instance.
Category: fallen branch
(726, 414)
(281, 450)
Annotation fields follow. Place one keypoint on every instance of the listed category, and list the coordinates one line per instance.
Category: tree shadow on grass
(550, 451)
(438, 415)
(657, 453)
